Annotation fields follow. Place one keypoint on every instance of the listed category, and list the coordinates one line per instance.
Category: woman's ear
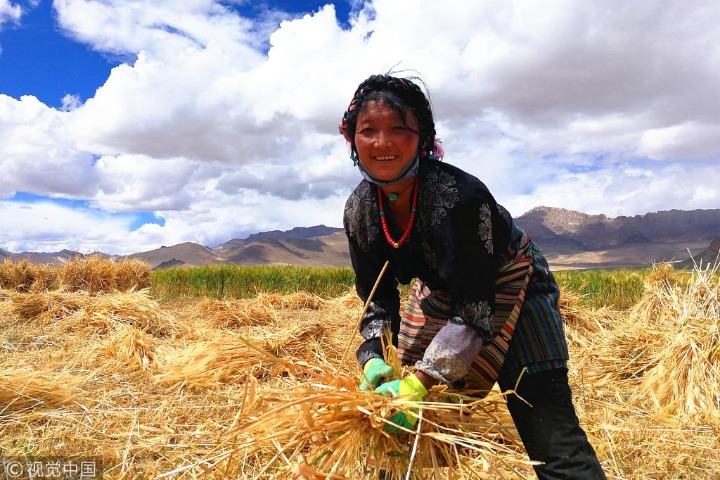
(346, 135)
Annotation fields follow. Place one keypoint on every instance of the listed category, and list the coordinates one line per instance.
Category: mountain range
(570, 240)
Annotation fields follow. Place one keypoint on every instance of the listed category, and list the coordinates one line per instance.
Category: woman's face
(384, 143)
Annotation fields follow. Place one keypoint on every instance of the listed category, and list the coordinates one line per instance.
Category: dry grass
(93, 274)
(688, 315)
(335, 431)
(25, 277)
(97, 274)
(258, 389)
(23, 390)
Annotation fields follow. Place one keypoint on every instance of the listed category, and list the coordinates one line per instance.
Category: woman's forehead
(377, 109)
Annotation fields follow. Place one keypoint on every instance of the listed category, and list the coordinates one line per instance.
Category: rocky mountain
(597, 232)
(297, 232)
(710, 256)
(325, 251)
(576, 240)
(54, 258)
(569, 239)
(187, 253)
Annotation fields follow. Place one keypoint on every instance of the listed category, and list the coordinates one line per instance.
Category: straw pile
(668, 350)
(688, 313)
(24, 277)
(263, 388)
(256, 311)
(92, 274)
(23, 390)
(130, 346)
(650, 385)
(317, 430)
(98, 274)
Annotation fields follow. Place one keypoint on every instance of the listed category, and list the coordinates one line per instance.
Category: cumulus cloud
(224, 125)
(36, 153)
(49, 227)
(9, 12)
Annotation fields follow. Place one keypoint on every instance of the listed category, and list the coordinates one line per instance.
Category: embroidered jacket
(460, 237)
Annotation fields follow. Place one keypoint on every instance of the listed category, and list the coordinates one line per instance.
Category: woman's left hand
(410, 387)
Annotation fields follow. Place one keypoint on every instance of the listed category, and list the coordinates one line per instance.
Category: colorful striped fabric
(427, 311)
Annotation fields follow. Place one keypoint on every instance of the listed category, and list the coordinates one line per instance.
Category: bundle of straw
(207, 364)
(294, 301)
(685, 378)
(317, 430)
(235, 313)
(649, 308)
(47, 305)
(134, 308)
(583, 326)
(25, 277)
(24, 389)
(98, 274)
(130, 346)
(131, 274)
(233, 357)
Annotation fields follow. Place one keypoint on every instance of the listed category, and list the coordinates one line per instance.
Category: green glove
(410, 387)
(375, 370)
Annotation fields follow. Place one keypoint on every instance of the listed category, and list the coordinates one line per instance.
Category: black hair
(400, 94)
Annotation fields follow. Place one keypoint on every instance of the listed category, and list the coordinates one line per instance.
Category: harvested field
(94, 366)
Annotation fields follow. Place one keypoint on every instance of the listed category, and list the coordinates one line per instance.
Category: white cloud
(223, 126)
(161, 27)
(609, 191)
(47, 227)
(37, 154)
(684, 140)
(9, 12)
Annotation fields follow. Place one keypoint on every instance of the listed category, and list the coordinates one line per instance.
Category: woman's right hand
(374, 373)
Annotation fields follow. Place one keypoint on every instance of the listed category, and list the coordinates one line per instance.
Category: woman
(483, 307)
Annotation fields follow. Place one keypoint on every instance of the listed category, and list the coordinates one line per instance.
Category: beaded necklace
(410, 222)
(392, 196)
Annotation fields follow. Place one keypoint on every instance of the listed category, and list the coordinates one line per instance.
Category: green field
(619, 288)
(236, 282)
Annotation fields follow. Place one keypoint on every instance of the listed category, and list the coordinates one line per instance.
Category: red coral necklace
(406, 234)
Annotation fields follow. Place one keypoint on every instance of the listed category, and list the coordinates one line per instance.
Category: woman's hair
(399, 94)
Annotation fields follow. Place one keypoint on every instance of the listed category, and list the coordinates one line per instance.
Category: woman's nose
(382, 139)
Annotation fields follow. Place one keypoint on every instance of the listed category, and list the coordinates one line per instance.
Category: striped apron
(426, 312)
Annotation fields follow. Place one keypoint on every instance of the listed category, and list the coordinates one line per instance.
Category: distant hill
(569, 239)
(576, 240)
(188, 253)
(710, 256)
(44, 258)
(294, 234)
(597, 232)
(324, 251)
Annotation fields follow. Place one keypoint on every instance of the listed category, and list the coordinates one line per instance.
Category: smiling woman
(387, 141)
(483, 307)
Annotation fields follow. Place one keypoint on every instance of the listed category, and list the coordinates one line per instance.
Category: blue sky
(39, 59)
(126, 125)
(34, 52)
